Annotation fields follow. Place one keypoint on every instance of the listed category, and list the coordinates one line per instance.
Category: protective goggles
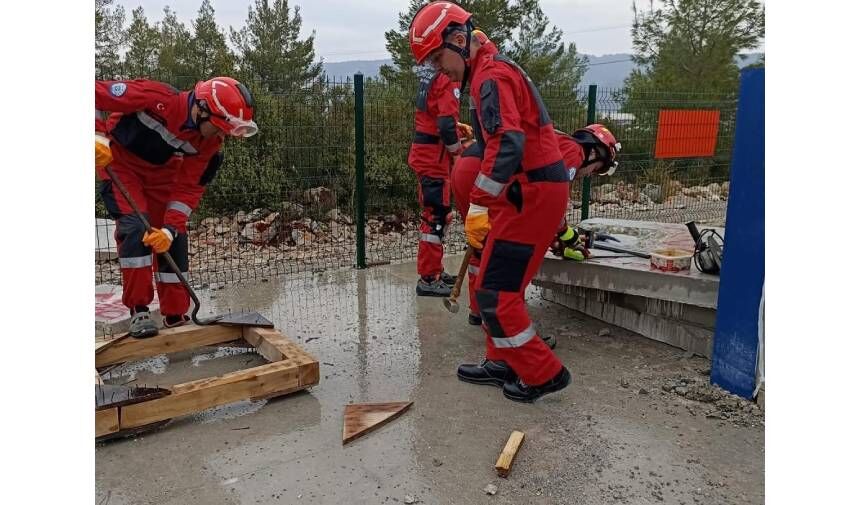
(232, 125)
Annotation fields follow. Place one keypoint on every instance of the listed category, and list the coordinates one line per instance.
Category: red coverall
(466, 169)
(524, 184)
(160, 156)
(436, 116)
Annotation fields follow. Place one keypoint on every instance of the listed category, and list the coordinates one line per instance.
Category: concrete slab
(614, 436)
(105, 243)
(635, 276)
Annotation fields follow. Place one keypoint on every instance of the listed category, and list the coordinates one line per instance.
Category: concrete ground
(627, 430)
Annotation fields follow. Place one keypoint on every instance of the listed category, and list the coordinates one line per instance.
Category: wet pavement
(613, 436)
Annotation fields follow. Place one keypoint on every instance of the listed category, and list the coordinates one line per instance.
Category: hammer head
(452, 305)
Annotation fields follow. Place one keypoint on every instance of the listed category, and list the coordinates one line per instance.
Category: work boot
(142, 325)
(475, 319)
(174, 321)
(491, 373)
(448, 278)
(550, 341)
(432, 286)
(521, 392)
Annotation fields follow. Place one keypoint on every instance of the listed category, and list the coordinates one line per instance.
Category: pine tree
(209, 55)
(109, 38)
(539, 49)
(141, 59)
(174, 55)
(270, 47)
(691, 44)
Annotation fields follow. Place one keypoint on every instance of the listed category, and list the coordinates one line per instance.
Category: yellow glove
(464, 131)
(573, 254)
(158, 240)
(477, 226)
(103, 154)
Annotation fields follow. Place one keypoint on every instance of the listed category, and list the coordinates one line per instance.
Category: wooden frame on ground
(290, 369)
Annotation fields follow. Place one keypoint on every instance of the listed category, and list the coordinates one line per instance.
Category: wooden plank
(107, 421)
(287, 347)
(289, 351)
(361, 418)
(506, 458)
(202, 394)
(167, 341)
(264, 347)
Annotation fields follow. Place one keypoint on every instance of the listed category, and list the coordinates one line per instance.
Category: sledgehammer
(451, 302)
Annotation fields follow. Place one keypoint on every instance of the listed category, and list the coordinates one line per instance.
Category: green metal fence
(332, 153)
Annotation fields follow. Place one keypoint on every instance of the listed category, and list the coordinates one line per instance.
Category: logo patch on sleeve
(118, 89)
(457, 93)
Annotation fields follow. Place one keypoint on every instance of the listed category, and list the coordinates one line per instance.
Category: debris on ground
(491, 489)
(720, 403)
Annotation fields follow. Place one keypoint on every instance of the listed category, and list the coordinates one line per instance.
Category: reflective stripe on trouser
(434, 198)
(513, 253)
(172, 296)
(135, 262)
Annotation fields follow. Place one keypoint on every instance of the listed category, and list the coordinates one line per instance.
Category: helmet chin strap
(464, 52)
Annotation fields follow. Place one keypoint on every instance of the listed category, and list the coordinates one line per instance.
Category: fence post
(590, 118)
(360, 196)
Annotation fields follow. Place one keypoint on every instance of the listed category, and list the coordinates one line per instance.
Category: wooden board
(506, 458)
(291, 369)
(361, 418)
(168, 340)
(107, 422)
(290, 352)
(202, 394)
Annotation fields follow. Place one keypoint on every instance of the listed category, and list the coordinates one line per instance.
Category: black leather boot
(491, 373)
(519, 392)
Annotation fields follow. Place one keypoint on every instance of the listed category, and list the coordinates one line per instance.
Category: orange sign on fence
(684, 133)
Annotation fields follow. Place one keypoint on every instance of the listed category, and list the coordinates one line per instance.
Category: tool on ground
(592, 238)
(110, 396)
(241, 319)
(451, 302)
(621, 250)
(708, 253)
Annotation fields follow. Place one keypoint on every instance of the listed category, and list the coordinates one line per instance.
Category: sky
(354, 30)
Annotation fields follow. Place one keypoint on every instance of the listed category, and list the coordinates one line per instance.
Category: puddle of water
(229, 411)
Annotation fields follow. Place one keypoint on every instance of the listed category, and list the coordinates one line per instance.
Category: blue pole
(737, 336)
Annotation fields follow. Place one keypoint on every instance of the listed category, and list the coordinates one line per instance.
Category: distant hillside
(608, 70)
(343, 69)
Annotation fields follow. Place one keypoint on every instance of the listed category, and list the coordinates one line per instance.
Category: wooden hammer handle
(464, 267)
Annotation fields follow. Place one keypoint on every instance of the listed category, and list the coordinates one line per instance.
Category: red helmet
(427, 31)
(229, 104)
(601, 134)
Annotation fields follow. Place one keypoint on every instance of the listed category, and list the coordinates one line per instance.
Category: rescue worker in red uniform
(164, 145)
(600, 149)
(592, 150)
(516, 204)
(434, 145)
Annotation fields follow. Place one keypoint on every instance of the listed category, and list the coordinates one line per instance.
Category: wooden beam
(506, 458)
(290, 352)
(99, 378)
(190, 397)
(264, 347)
(107, 421)
(167, 341)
